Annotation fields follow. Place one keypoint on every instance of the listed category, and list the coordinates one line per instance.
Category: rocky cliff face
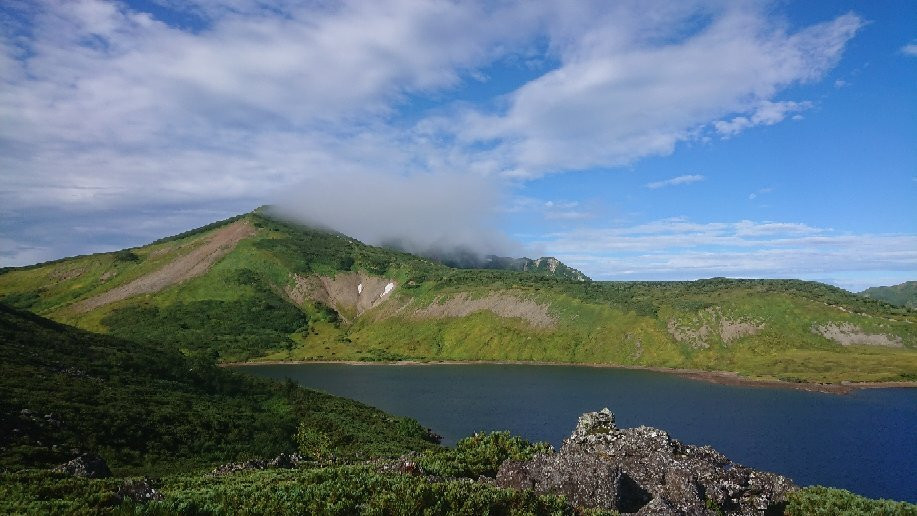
(644, 471)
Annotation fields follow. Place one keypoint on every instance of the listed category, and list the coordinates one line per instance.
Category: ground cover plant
(148, 408)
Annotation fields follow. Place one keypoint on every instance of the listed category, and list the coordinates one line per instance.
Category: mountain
(256, 287)
(546, 265)
(903, 294)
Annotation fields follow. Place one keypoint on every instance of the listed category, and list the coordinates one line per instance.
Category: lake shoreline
(717, 377)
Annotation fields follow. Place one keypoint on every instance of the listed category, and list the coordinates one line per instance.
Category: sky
(633, 140)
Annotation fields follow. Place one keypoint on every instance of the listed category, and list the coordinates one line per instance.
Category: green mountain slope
(255, 287)
(146, 408)
(903, 294)
(545, 265)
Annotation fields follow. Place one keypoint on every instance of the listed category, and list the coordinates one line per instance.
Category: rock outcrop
(282, 461)
(644, 471)
(88, 466)
(138, 490)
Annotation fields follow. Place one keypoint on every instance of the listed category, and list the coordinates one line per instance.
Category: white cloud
(106, 107)
(423, 213)
(766, 113)
(619, 94)
(679, 180)
(909, 50)
(99, 99)
(761, 191)
(551, 210)
(681, 249)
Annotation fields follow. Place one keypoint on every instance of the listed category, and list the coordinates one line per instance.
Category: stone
(643, 470)
(286, 461)
(236, 467)
(88, 466)
(138, 490)
(282, 461)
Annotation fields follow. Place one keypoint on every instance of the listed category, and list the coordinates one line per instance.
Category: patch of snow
(360, 288)
(388, 288)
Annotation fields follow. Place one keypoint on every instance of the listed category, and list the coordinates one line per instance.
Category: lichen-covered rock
(643, 470)
(236, 467)
(138, 490)
(286, 461)
(88, 466)
(282, 461)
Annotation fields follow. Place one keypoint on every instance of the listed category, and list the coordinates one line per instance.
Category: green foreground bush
(826, 501)
(333, 490)
(479, 454)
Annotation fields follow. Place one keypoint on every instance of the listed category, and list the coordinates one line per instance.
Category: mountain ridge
(902, 294)
(278, 290)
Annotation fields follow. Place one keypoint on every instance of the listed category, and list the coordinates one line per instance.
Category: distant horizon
(633, 141)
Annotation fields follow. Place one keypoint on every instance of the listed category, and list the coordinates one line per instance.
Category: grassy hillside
(146, 408)
(255, 287)
(161, 420)
(150, 411)
(903, 294)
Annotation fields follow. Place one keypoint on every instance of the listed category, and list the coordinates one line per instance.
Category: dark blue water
(865, 442)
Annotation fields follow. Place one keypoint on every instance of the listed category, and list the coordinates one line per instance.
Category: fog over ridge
(445, 216)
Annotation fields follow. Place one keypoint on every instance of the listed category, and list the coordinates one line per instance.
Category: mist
(447, 217)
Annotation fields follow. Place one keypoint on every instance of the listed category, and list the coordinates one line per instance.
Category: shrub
(480, 454)
(826, 501)
(126, 255)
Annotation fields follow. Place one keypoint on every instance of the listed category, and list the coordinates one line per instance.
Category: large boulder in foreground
(644, 471)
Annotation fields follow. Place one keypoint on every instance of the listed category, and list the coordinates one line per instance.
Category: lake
(865, 442)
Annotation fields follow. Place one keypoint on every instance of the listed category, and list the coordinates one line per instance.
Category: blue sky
(632, 140)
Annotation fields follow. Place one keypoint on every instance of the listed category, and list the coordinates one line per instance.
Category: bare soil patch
(183, 268)
(729, 330)
(348, 293)
(502, 305)
(847, 334)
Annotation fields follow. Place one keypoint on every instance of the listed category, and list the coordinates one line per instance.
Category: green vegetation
(903, 294)
(479, 454)
(239, 329)
(340, 490)
(544, 266)
(252, 305)
(151, 410)
(147, 408)
(825, 501)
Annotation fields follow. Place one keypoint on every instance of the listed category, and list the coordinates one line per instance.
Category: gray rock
(138, 490)
(286, 461)
(282, 461)
(643, 470)
(236, 467)
(88, 466)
